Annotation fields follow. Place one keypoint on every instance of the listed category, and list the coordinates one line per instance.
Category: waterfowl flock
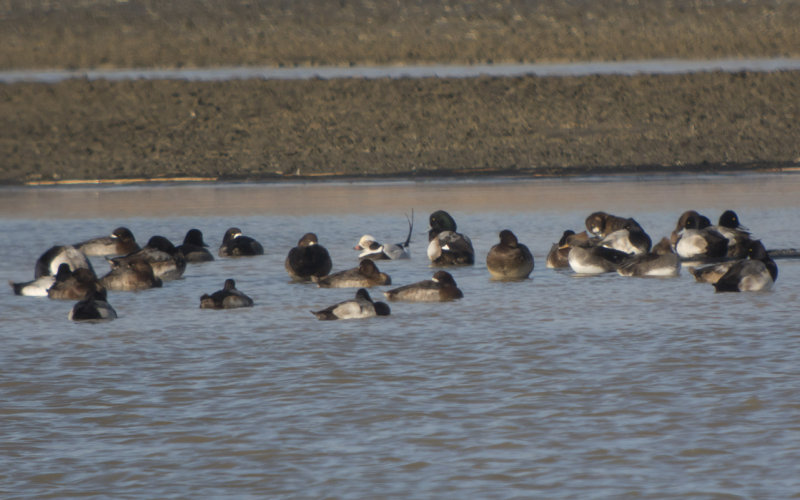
(724, 255)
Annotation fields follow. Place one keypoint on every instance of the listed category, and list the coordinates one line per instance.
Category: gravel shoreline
(354, 128)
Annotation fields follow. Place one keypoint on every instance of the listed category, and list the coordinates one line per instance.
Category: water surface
(554, 387)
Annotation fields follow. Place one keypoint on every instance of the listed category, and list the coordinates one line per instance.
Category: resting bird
(235, 244)
(227, 298)
(362, 306)
(440, 288)
(509, 259)
(447, 247)
(308, 259)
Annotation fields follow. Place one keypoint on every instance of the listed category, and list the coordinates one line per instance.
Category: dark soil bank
(147, 33)
(262, 129)
(257, 129)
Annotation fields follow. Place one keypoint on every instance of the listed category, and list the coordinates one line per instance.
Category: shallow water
(647, 66)
(555, 387)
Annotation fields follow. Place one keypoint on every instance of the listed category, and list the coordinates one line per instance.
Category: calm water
(556, 387)
(648, 66)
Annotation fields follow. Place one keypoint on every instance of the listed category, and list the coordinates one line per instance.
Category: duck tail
(410, 229)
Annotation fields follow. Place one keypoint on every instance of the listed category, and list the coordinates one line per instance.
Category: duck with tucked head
(167, 261)
(447, 247)
(235, 244)
(93, 309)
(509, 259)
(630, 238)
(588, 258)
(362, 306)
(227, 298)
(601, 224)
(697, 240)
(308, 259)
(366, 275)
(194, 249)
(119, 242)
(130, 276)
(661, 261)
(558, 256)
(74, 285)
(48, 266)
(756, 273)
(440, 288)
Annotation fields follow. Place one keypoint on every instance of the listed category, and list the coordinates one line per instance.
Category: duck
(365, 275)
(93, 309)
(74, 285)
(370, 248)
(756, 273)
(227, 298)
(308, 259)
(120, 242)
(362, 306)
(587, 258)
(698, 241)
(738, 236)
(131, 275)
(509, 259)
(558, 256)
(194, 249)
(47, 264)
(661, 261)
(167, 262)
(440, 288)
(235, 244)
(601, 224)
(447, 247)
(630, 238)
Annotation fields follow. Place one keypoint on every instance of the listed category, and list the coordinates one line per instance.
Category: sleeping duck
(447, 247)
(119, 242)
(757, 272)
(440, 288)
(167, 261)
(362, 306)
(509, 259)
(235, 244)
(308, 259)
(661, 261)
(366, 275)
(227, 298)
(93, 309)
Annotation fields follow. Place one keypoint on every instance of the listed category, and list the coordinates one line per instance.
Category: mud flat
(267, 129)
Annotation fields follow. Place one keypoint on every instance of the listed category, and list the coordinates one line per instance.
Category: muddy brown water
(556, 387)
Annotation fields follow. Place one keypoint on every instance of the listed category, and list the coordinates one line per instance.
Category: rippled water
(555, 387)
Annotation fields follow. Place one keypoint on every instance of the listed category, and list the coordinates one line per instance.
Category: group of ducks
(724, 255)
(736, 262)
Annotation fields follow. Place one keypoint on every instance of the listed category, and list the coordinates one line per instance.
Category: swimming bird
(235, 244)
(757, 272)
(661, 261)
(698, 241)
(441, 287)
(308, 259)
(34, 288)
(93, 309)
(194, 249)
(558, 256)
(630, 238)
(227, 298)
(120, 242)
(167, 262)
(74, 285)
(602, 224)
(131, 275)
(362, 306)
(365, 275)
(509, 259)
(447, 247)
(588, 258)
(371, 249)
(738, 236)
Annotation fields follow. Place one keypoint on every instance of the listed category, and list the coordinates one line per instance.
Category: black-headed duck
(440, 288)
(227, 298)
(308, 259)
